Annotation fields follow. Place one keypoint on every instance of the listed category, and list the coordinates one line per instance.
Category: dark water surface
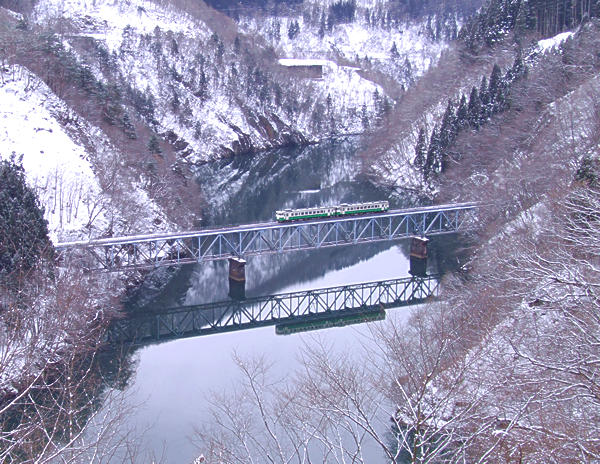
(172, 380)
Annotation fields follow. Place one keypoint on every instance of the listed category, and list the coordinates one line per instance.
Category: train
(343, 209)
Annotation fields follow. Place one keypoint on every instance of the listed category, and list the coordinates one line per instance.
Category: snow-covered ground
(553, 42)
(58, 167)
(224, 118)
(106, 19)
(351, 41)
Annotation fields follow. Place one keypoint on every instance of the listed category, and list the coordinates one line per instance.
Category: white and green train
(343, 209)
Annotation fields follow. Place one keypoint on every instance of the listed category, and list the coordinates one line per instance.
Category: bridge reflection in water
(289, 311)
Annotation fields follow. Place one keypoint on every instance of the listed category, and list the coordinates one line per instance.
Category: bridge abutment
(237, 278)
(418, 256)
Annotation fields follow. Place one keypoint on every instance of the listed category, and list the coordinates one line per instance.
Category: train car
(343, 209)
(361, 208)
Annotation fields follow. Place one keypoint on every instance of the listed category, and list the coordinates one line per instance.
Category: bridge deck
(143, 251)
(132, 239)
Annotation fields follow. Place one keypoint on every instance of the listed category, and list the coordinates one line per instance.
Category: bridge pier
(418, 256)
(237, 278)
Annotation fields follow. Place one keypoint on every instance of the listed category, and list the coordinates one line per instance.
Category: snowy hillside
(209, 94)
(157, 85)
(51, 137)
(404, 51)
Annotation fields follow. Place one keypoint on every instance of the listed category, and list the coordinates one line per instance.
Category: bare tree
(55, 405)
(409, 396)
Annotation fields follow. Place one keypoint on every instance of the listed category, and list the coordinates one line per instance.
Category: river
(171, 381)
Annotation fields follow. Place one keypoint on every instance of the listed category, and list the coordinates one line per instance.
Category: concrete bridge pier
(418, 256)
(237, 278)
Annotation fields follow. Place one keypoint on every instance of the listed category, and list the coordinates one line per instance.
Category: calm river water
(171, 380)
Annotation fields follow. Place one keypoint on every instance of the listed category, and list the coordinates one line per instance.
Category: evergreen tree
(484, 98)
(419, 160)
(174, 47)
(293, 29)
(153, 145)
(175, 100)
(197, 130)
(275, 32)
(588, 172)
(447, 134)
(452, 30)
(496, 90)
(394, 51)
(128, 126)
(517, 70)
(433, 150)
(429, 32)
(220, 51)
(342, 11)
(521, 21)
(438, 28)
(23, 229)
(148, 108)
(474, 109)
(462, 114)
(377, 103)
(321, 32)
(364, 117)
(408, 73)
(202, 90)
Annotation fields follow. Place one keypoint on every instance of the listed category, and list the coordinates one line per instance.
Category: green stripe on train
(346, 213)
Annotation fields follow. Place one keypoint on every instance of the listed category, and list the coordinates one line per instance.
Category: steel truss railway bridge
(303, 307)
(147, 251)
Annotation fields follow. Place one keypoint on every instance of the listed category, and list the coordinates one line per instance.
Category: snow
(342, 53)
(303, 62)
(549, 44)
(56, 166)
(110, 18)
(221, 117)
(352, 40)
(60, 169)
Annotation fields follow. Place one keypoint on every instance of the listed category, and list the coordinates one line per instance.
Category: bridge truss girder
(303, 306)
(244, 241)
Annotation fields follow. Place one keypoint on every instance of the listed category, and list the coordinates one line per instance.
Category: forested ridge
(545, 17)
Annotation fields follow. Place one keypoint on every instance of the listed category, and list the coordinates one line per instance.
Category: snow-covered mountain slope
(214, 95)
(56, 166)
(168, 83)
(404, 51)
(394, 163)
(56, 146)
(109, 18)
